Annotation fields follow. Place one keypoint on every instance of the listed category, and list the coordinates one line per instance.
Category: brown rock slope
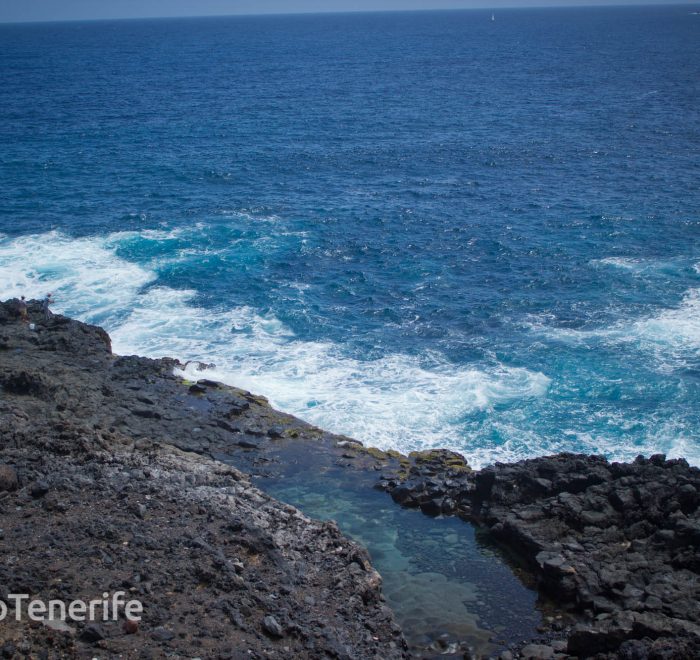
(223, 570)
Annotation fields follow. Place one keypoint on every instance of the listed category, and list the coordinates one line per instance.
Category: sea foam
(397, 401)
(671, 334)
(487, 411)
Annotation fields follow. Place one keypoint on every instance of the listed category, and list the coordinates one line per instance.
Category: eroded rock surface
(618, 543)
(96, 497)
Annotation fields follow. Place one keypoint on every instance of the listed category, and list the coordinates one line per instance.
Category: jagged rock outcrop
(618, 543)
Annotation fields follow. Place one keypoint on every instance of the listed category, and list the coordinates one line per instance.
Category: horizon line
(578, 5)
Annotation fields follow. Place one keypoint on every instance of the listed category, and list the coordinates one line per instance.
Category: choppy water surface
(418, 229)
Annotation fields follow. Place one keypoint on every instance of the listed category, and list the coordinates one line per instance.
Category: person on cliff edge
(23, 314)
(48, 300)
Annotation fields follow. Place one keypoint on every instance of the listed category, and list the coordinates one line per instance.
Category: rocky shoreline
(91, 505)
(109, 479)
(618, 544)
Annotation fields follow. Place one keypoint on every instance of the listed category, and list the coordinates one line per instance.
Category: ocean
(421, 229)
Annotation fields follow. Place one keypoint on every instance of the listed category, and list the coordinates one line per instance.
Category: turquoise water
(449, 591)
(418, 229)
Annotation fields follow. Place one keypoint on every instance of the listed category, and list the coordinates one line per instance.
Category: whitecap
(671, 336)
(644, 266)
(625, 263)
(677, 327)
(398, 401)
(87, 279)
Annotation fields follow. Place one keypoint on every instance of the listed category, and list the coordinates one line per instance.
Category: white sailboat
(493, 17)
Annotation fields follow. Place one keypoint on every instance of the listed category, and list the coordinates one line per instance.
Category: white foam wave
(655, 436)
(625, 263)
(645, 266)
(673, 334)
(393, 402)
(398, 401)
(678, 327)
(87, 278)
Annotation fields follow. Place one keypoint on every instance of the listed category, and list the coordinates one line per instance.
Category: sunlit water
(420, 229)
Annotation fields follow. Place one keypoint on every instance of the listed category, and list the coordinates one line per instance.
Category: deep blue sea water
(419, 229)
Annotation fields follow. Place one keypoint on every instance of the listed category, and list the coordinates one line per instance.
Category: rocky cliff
(109, 480)
(95, 496)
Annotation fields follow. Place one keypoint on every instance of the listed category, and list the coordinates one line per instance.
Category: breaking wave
(397, 401)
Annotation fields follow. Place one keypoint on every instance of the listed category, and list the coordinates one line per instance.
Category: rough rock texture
(68, 366)
(617, 543)
(94, 498)
(107, 482)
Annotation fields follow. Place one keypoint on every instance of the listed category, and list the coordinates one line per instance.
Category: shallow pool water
(448, 589)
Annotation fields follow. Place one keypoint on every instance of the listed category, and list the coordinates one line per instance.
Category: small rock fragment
(8, 478)
(131, 627)
(39, 488)
(92, 634)
(162, 634)
(272, 627)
